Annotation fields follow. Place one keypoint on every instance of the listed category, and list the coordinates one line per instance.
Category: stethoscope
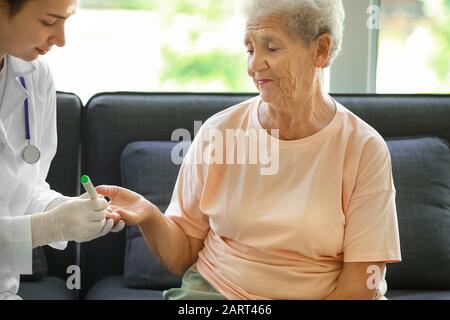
(30, 154)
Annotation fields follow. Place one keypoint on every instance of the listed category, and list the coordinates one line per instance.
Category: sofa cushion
(40, 269)
(418, 295)
(147, 168)
(49, 288)
(421, 171)
(116, 288)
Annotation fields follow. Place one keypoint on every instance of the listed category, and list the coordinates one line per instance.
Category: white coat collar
(20, 67)
(15, 94)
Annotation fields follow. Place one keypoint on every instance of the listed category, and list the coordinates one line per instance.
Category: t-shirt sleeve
(184, 208)
(371, 229)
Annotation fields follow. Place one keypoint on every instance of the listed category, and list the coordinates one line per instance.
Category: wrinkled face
(36, 28)
(281, 65)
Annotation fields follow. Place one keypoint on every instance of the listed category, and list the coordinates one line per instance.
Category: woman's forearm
(354, 282)
(168, 241)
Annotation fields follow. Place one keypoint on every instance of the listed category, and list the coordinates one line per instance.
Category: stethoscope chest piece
(31, 154)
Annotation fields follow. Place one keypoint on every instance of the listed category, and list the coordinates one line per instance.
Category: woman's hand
(133, 208)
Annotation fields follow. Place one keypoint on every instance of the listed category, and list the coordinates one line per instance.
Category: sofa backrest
(402, 115)
(112, 121)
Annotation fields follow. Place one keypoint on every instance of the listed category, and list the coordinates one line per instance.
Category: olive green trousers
(193, 287)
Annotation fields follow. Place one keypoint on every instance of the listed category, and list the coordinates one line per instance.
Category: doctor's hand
(76, 219)
(133, 208)
(81, 220)
(110, 214)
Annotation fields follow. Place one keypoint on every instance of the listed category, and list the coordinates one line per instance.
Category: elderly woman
(324, 225)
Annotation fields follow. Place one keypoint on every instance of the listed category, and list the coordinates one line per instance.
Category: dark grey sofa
(126, 141)
(135, 153)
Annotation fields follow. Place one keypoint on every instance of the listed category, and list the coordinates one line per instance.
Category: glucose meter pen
(89, 187)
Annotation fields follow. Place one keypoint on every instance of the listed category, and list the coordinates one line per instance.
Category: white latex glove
(87, 196)
(76, 219)
(118, 224)
(9, 296)
(56, 202)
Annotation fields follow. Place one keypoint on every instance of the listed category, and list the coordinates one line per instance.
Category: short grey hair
(307, 19)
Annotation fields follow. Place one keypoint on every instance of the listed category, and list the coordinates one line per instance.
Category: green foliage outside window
(197, 65)
(120, 4)
(202, 68)
(441, 30)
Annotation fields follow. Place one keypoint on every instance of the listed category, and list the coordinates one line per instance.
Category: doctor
(31, 214)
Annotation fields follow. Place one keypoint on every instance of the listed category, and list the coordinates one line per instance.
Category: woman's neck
(300, 119)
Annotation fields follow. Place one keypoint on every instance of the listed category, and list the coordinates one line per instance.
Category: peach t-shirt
(286, 235)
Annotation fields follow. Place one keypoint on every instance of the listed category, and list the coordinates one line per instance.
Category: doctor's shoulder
(43, 75)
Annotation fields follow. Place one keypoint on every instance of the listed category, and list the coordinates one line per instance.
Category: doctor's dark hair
(15, 6)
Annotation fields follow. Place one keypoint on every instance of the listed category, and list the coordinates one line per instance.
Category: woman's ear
(323, 48)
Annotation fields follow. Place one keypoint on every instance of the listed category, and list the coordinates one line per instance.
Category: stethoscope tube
(27, 115)
(30, 153)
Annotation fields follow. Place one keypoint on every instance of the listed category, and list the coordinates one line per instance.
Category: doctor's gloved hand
(76, 219)
(111, 214)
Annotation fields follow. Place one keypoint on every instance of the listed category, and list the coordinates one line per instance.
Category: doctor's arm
(15, 244)
(77, 219)
(16, 235)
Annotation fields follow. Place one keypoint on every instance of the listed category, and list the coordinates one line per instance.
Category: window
(196, 46)
(414, 47)
(150, 45)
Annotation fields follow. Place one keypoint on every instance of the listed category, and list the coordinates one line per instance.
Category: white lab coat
(23, 189)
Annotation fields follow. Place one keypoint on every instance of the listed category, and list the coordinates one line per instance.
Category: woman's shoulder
(357, 129)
